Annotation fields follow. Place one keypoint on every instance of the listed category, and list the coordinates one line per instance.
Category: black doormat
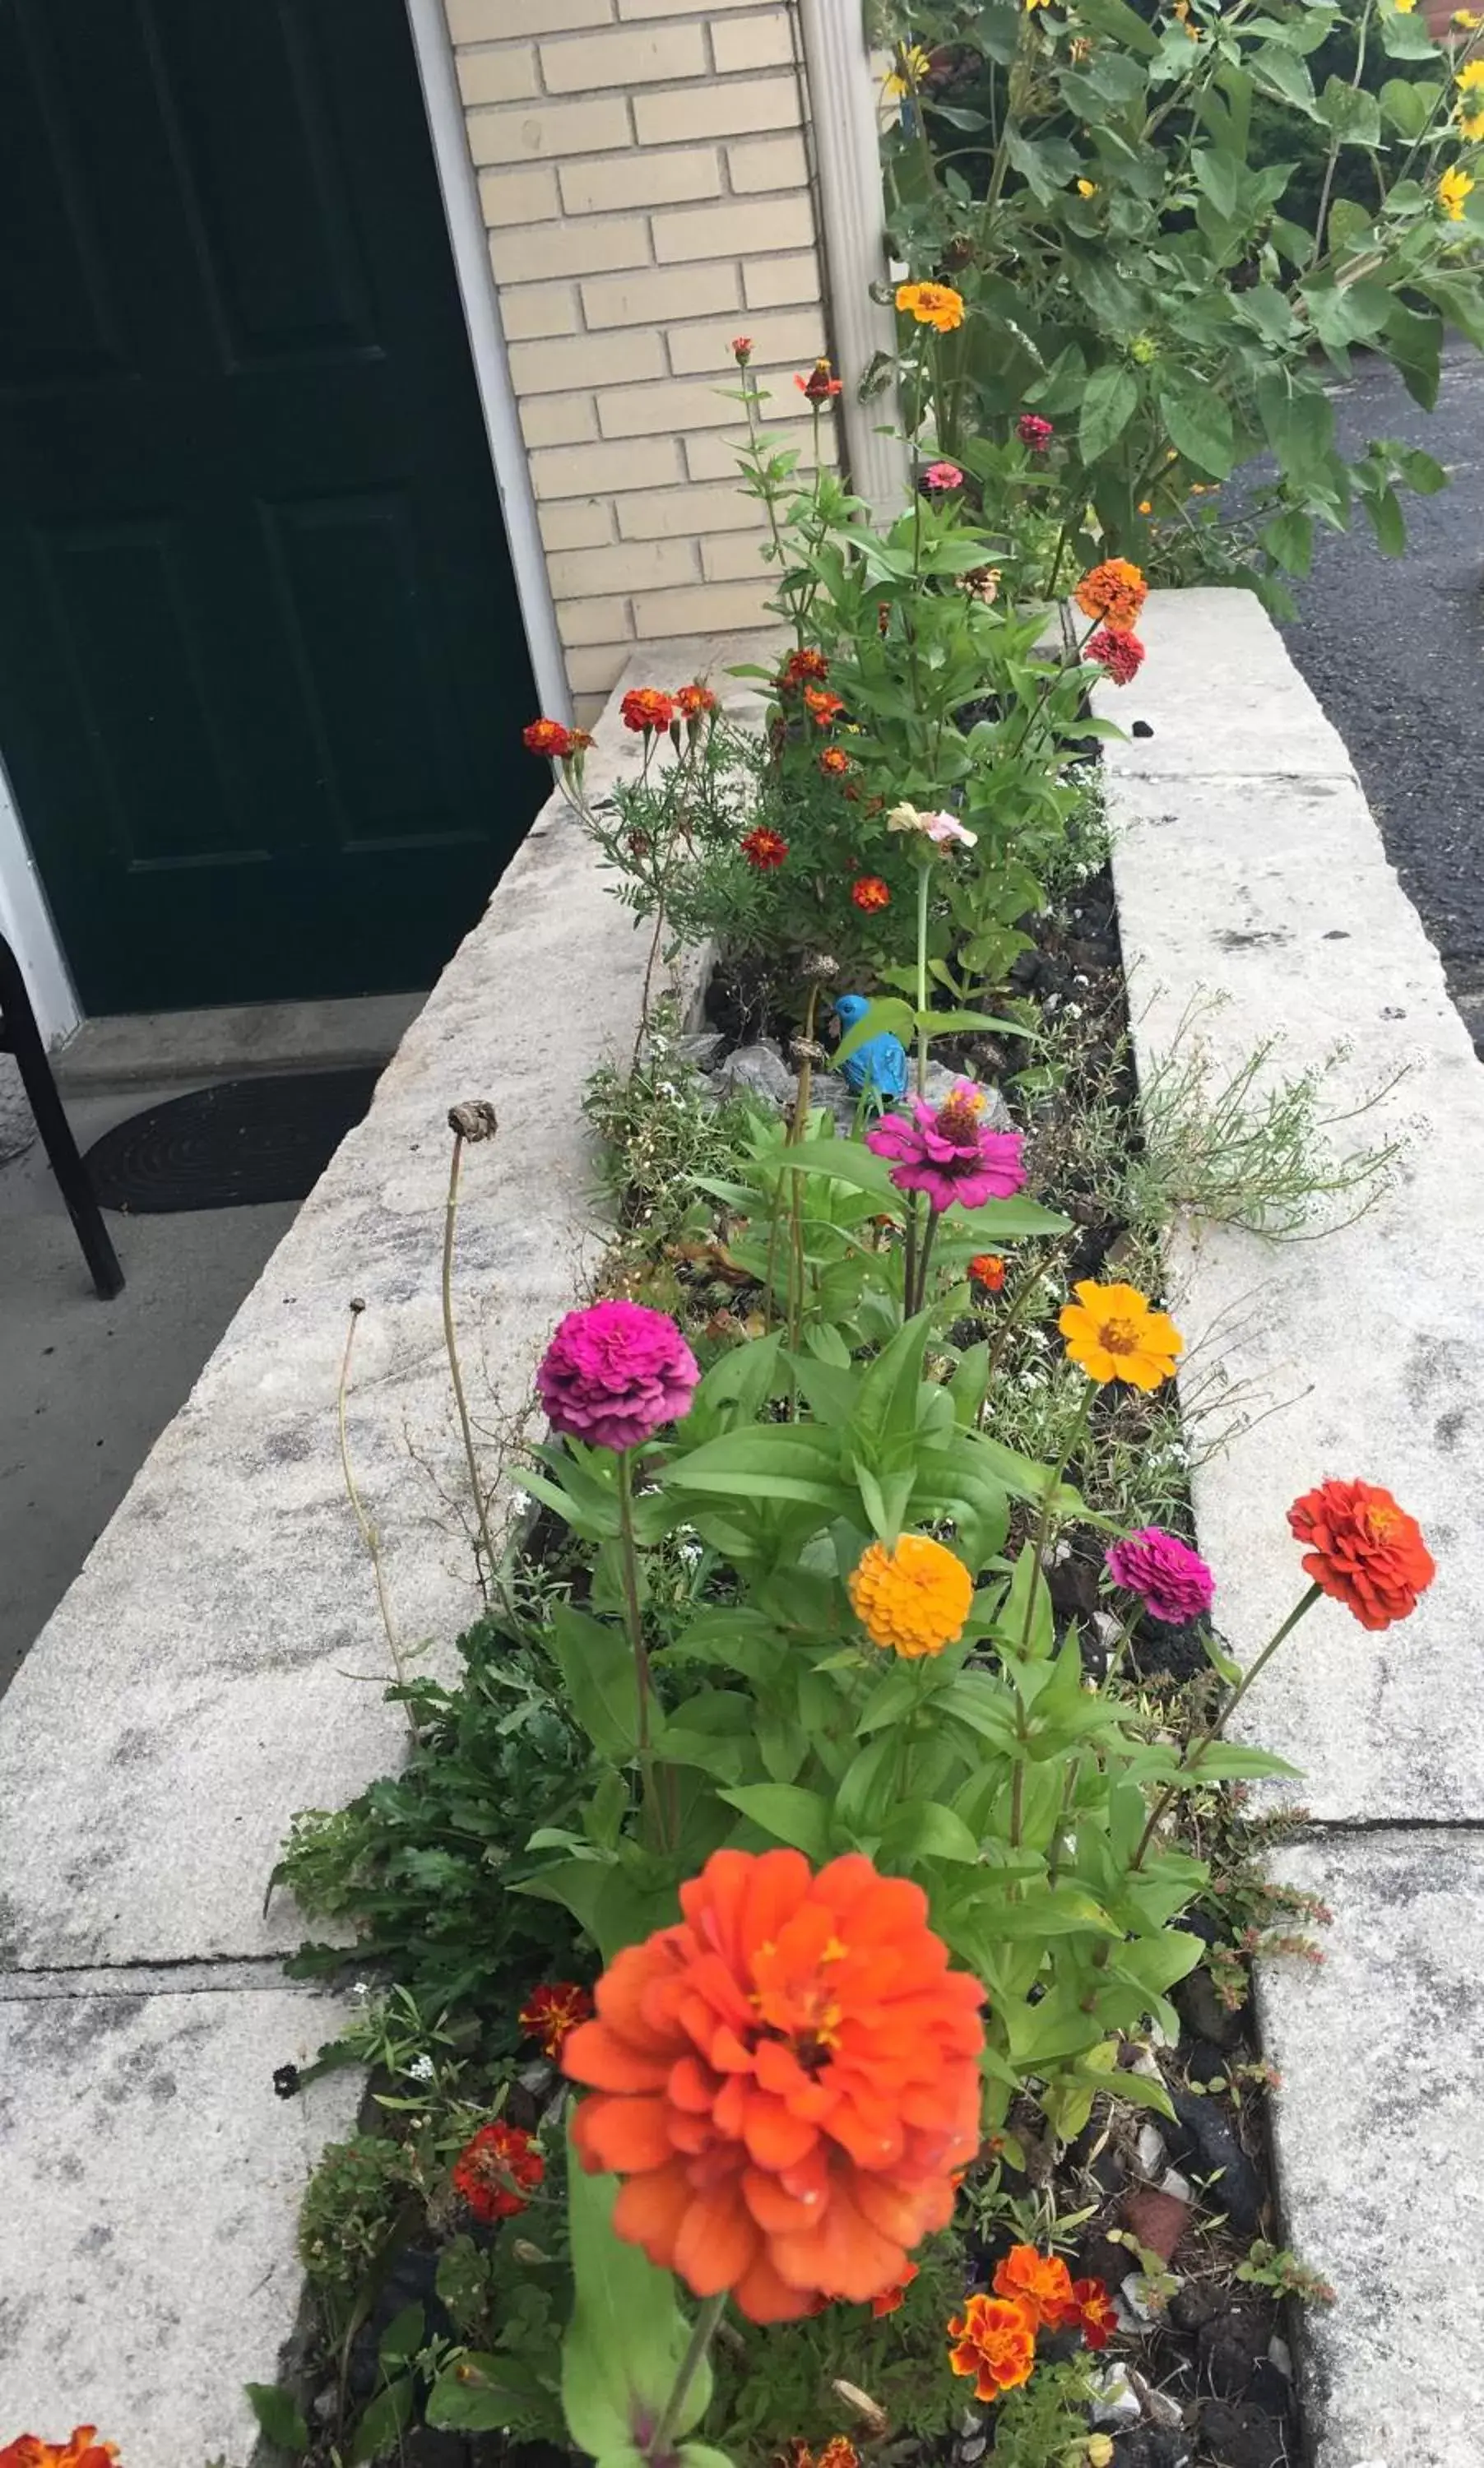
(230, 1147)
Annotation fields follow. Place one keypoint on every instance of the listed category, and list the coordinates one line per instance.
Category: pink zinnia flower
(949, 1151)
(1121, 654)
(943, 475)
(1170, 1578)
(616, 1374)
(1033, 432)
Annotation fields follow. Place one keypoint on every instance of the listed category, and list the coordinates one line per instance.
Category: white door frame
(470, 244)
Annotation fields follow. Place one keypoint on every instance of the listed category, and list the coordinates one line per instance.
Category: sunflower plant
(1139, 314)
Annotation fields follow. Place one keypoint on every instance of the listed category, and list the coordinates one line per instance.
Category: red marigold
(1114, 591)
(819, 385)
(644, 708)
(1096, 2319)
(553, 2010)
(1040, 2282)
(799, 666)
(988, 1270)
(692, 701)
(764, 848)
(995, 2339)
(83, 2450)
(1363, 1550)
(871, 892)
(891, 2298)
(542, 737)
(822, 704)
(834, 760)
(484, 2167)
(786, 2082)
(1121, 654)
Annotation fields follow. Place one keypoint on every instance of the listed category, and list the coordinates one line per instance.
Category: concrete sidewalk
(1251, 876)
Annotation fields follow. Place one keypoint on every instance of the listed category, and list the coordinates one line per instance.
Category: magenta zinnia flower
(949, 1151)
(943, 475)
(1033, 432)
(1170, 1578)
(616, 1374)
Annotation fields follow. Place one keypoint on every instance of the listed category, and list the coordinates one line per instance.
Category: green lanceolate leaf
(801, 1818)
(483, 2393)
(626, 2335)
(597, 1664)
(279, 2415)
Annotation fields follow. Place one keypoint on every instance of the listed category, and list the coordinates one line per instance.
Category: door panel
(262, 668)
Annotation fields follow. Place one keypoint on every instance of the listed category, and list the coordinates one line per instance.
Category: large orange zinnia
(786, 2081)
(83, 2451)
(1365, 1549)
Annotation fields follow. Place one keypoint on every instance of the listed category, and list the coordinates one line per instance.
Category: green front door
(262, 670)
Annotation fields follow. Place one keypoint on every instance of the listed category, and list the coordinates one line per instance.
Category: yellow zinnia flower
(914, 1599)
(1404, 8)
(1468, 19)
(912, 66)
(1111, 1333)
(1086, 188)
(1453, 188)
(931, 304)
(1469, 77)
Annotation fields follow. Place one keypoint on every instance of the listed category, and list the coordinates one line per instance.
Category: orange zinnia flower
(834, 759)
(822, 703)
(553, 2010)
(83, 2451)
(1363, 1550)
(1114, 591)
(644, 708)
(819, 385)
(1040, 2283)
(988, 1270)
(995, 2342)
(932, 303)
(786, 2082)
(915, 1598)
(890, 2298)
(871, 892)
(1111, 1334)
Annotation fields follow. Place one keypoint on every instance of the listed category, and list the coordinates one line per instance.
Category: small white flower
(421, 2070)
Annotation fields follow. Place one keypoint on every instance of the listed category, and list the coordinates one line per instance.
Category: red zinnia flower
(553, 2010)
(1096, 2319)
(988, 1270)
(694, 700)
(822, 703)
(995, 2342)
(1363, 1550)
(786, 2082)
(891, 2298)
(819, 385)
(1040, 2282)
(799, 666)
(740, 349)
(82, 2451)
(542, 736)
(871, 892)
(644, 708)
(834, 759)
(1033, 432)
(1121, 654)
(764, 848)
(484, 2167)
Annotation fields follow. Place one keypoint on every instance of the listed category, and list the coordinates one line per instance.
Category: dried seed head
(474, 1121)
(870, 2412)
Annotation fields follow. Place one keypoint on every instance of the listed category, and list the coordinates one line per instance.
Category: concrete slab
(1380, 2128)
(1260, 899)
(234, 1039)
(87, 1387)
(1220, 694)
(146, 2161)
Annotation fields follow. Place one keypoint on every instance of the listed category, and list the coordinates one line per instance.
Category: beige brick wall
(645, 183)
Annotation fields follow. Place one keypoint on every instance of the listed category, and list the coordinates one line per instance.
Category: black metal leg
(22, 1037)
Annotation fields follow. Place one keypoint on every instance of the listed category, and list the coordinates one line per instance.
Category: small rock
(1242, 2437)
(828, 1089)
(702, 1050)
(975, 2449)
(1203, 2142)
(1151, 2149)
(1193, 2305)
(1200, 2008)
(1163, 2411)
(1151, 2446)
(1178, 2188)
(941, 1084)
(1115, 2402)
(755, 1071)
(1281, 2355)
(1230, 2347)
(1158, 2220)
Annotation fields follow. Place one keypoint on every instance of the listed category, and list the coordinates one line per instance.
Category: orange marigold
(871, 892)
(492, 2165)
(1096, 2319)
(82, 2451)
(547, 737)
(1114, 591)
(988, 1270)
(839, 2452)
(786, 2082)
(1113, 1334)
(1038, 2282)
(834, 760)
(994, 2341)
(644, 708)
(915, 1598)
(1363, 1550)
(932, 303)
(802, 665)
(764, 849)
(822, 704)
(694, 700)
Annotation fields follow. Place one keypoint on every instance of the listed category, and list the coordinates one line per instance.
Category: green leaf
(1226, 1762)
(627, 2335)
(1415, 344)
(924, 1829)
(770, 1461)
(1107, 405)
(887, 1014)
(483, 2393)
(279, 2416)
(1409, 103)
(597, 1666)
(1199, 423)
(1298, 421)
(1349, 113)
(801, 1818)
(848, 1161)
(1289, 538)
(403, 2338)
(1405, 37)
(1420, 471)
(613, 1908)
(384, 2419)
(1286, 75)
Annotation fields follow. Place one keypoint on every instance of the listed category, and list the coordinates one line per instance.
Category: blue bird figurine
(879, 1068)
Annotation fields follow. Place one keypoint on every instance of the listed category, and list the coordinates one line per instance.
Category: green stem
(924, 889)
(633, 1622)
(1048, 1510)
(920, 1299)
(456, 1376)
(658, 2448)
(1222, 1717)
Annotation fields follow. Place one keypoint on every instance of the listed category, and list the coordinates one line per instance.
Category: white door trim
(26, 923)
(848, 162)
(481, 301)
